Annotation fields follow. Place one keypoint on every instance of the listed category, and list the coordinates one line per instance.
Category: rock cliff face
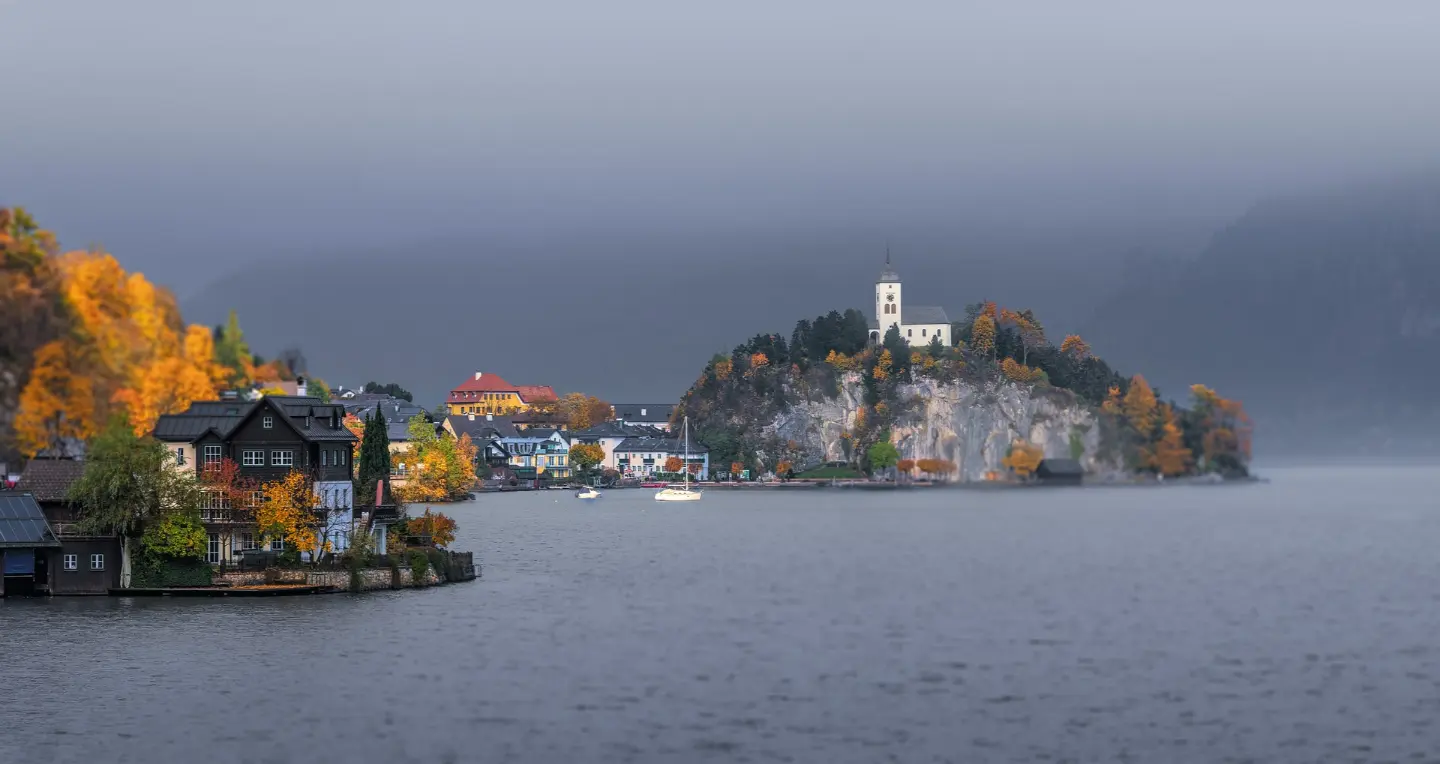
(971, 426)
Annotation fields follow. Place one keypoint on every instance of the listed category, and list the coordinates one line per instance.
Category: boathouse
(86, 563)
(1060, 472)
(26, 546)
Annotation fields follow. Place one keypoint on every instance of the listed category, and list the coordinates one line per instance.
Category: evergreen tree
(899, 354)
(232, 352)
(374, 451)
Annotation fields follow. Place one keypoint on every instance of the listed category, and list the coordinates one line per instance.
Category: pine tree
(374, 451)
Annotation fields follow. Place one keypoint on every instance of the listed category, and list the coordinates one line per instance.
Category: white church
(917, 324)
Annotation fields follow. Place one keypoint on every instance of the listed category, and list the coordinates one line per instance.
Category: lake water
(1296, 621)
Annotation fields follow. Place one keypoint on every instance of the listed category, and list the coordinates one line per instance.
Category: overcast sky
(183, 135)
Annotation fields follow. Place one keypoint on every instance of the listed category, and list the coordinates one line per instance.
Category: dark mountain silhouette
(1322, 313)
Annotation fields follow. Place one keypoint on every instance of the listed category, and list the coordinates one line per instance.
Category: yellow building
(491, 394)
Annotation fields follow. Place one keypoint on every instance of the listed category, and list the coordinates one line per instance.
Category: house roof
(922, 314)
(537, 393)
(222, 417)
(617, 430)
(644, 412)
(22, 522)
(662, 445)
(480, 427)
(50, 479)
(485, 382)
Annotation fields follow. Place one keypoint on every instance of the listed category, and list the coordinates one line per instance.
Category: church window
(922, 332)
(909, 332)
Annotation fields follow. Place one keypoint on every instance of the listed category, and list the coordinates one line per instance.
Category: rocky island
(986, 399)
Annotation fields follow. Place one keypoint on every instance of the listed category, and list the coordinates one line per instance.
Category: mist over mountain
(1322, 312)
(636, 316)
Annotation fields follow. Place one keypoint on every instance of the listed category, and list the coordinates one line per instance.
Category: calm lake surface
(1295, 621)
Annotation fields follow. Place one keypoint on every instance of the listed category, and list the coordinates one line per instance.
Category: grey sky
(183, 135)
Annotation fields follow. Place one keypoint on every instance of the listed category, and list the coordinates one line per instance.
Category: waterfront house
(487, 432)
(397, 413)
(85, 563)
(642, 457)
(608, 435)
(487, 393)
(27, 546)
(266, 439)
(656, 415)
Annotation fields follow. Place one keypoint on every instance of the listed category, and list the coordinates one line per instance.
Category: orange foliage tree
(581, 411)
(1112, 401)
(982, 335)
(1140, 407)
(783, 468)
(1171, 456)
(1226, 431)
(57, 407)
(842, 362)
(735, 469)
(724, 368)
(882, 366)
(437, 525)
(1024, 458)
(905, 466)
(356, 426)
(674, 464)
(1019, 372)
(1075, 346)
(290, 511)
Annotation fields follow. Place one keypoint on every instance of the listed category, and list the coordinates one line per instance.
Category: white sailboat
(684, 493)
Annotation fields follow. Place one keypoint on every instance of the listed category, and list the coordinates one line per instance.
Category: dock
(280, 590)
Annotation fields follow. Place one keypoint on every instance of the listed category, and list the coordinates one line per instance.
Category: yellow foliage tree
(982, 335)
(1024, 458)
(1171, 456)
(841, 362)
(1019, 372)
(1140, 407)
(882, 366)
(1112, 404)
(1075, 346)
(289, 511)
(57, 404)
(582, 411)
(723, 369)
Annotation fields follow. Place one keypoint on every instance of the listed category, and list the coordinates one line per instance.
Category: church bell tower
(888, 299)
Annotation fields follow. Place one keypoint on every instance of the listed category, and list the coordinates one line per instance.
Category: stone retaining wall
(371, 579)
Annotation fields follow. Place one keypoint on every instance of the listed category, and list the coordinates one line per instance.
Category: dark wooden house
(266, 439)
(85, 563)
(27, 546)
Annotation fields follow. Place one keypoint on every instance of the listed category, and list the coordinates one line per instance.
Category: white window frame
(277, 461)
(72, 562)
(247, 541)
(180, 456)
(212, 455)
(340, 456)
(324, 457)
(212, 548)
(277, 545)
(267, 422)
(97, 562)
(252, 457)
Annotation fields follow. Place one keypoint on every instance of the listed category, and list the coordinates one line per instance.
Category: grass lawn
(829, 473)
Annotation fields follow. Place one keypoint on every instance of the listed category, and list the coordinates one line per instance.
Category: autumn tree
(1225, 432)
(674, 464)
(1171, 456)
(784, 468)
(905, 466)
(1075, 347)
(1140, 408)
(581, 411)
(356, 426)
(585, 456)
(1019, 372)
(1023, 459)
(290, 511)
(57, 408)
(982, 336)
(32, 311)
(881, 372)
(437, 525)
(736, 468)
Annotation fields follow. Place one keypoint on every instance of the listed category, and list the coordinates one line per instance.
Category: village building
(486, 393)
(917, 325)
(645, 456)
(609, 435)
(655, 415)
(85, 563)
(266, 439)
(28, 547)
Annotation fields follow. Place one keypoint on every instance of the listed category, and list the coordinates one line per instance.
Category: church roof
(912, 315)
(889, 276)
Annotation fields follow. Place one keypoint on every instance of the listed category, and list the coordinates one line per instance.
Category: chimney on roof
(489, 417)
(300, 386)
(479, 375)
(472, 417)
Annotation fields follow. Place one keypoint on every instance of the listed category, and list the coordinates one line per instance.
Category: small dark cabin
(1060, 472)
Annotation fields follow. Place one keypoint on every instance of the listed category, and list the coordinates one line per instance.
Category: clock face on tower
(890, 297)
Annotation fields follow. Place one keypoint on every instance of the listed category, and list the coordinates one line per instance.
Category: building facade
(486, 393)
(918, 325)
(84, 563)
(266, 439)
(643, 457)
(656, 415)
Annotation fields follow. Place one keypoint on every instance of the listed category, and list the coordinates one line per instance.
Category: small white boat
(587, 493)
(684, 493)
